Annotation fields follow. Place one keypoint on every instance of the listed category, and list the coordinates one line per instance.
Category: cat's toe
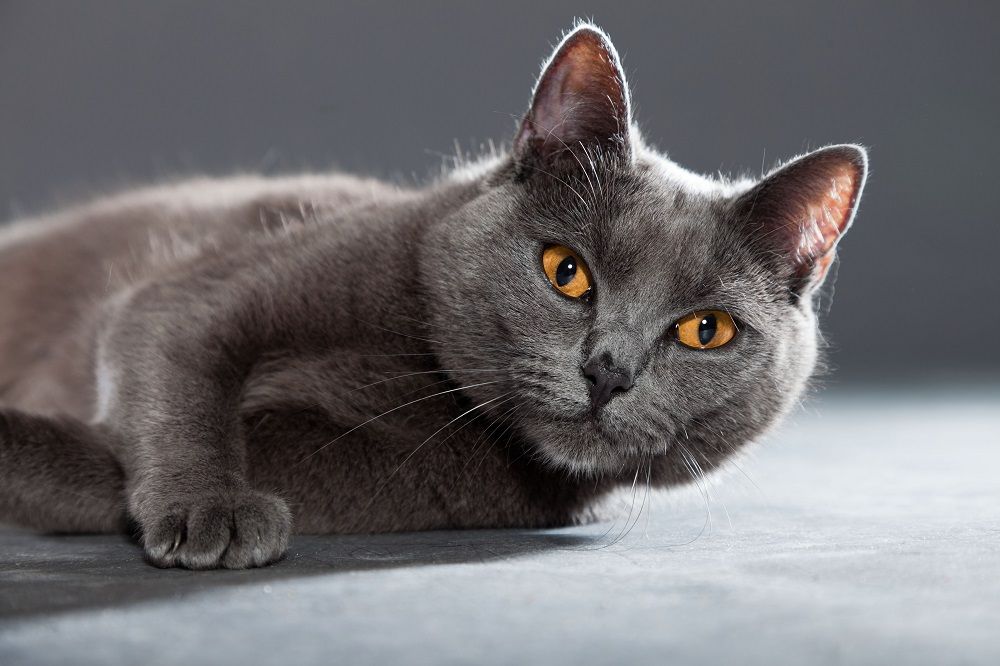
(209, 530)
(163, 538)
(250, 530)
(260, 534)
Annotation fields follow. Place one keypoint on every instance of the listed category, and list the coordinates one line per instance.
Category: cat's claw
(238, 532)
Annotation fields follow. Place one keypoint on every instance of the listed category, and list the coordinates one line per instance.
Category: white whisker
(407, 404)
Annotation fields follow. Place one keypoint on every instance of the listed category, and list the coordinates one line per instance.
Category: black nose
(606, 379)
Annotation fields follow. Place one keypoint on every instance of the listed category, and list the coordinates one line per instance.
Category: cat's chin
(596, 463)
(589, 445)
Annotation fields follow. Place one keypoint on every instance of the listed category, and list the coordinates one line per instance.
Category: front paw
(248, 529)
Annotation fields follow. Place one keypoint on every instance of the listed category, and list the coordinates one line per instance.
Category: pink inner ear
(581, 97)
(584, 82)
(826, 220)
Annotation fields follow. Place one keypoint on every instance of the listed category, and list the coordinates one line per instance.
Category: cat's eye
(567, 271)
(705, 329)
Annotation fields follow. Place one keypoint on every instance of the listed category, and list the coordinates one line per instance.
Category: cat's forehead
(655, 237)
(650, 211)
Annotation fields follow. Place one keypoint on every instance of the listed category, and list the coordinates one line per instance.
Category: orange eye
(706, 329)
(567, 272)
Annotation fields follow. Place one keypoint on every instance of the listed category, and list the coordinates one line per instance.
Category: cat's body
(71, 266)
(295, 399)
(224, 360)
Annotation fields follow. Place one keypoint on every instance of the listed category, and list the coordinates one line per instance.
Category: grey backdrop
(94, 95)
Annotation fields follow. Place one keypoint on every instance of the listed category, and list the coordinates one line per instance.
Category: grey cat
(219, 363)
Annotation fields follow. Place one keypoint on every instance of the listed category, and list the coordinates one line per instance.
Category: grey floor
(866, 530)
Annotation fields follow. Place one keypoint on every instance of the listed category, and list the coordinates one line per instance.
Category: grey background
(96, 95)
(864, 532)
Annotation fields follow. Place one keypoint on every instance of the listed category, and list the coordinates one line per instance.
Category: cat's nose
(606, 379)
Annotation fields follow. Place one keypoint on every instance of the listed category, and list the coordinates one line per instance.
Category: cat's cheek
(797, 351)
(696, 380)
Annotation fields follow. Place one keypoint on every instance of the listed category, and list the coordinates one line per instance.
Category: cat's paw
(241, 531)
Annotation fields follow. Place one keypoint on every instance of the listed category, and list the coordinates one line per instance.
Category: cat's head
(620, 309)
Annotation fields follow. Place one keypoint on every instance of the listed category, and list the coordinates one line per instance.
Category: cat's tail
(58, 474)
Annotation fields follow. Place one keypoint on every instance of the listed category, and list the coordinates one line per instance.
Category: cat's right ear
(581, 101)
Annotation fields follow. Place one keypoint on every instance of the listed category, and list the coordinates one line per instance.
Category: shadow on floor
(43, 574)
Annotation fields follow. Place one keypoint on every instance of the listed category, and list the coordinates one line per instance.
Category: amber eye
(566, 271)
(706, 329)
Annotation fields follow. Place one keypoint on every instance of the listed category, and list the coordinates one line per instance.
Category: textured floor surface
(866, 530)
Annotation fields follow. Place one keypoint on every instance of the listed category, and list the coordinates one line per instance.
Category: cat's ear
(801, 210)
(580, 100)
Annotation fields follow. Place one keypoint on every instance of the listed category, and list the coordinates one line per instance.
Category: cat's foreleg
(178, 358)
(58, 474)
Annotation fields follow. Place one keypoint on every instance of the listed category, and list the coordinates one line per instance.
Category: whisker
(644, 498)
(389, 330)
(690, 463)
(392, 355)
(385, 482)
(429, 323)
(621, 535)
(649, 484)
(407, 404)
(612, 526)
(485, 434)
(732, 461)
(508, 430)
(426, 372)
(704, 481)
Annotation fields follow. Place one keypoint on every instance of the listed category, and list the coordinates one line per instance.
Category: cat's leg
(176, 359)
(58, 474)
(189, 494)
(191, 499)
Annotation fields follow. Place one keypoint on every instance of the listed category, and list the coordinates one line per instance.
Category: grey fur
(224, 362)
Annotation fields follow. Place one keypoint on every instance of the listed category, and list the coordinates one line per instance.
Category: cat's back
(59, 270)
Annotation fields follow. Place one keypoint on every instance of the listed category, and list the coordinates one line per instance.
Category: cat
(222, 362)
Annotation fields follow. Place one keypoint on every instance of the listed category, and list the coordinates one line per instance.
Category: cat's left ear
(802, 209)
(580, 100)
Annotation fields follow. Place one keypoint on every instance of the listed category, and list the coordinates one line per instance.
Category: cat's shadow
(45, 574)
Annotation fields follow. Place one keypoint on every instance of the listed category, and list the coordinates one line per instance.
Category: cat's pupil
(565, 271)
(706, 329)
